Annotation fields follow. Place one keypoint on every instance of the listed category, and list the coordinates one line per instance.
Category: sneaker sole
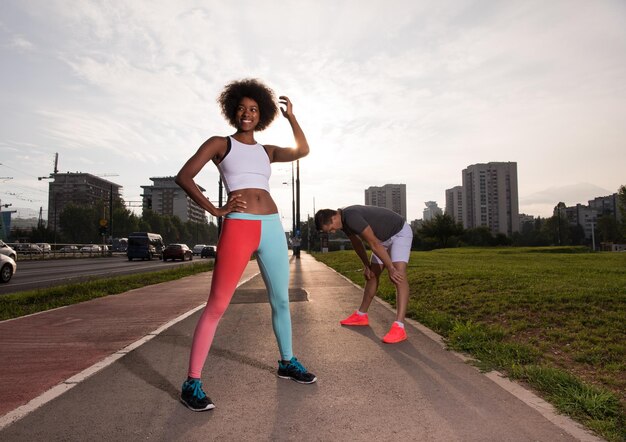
(395, 342)
(295, 380)
(208, 407)
(356, 325)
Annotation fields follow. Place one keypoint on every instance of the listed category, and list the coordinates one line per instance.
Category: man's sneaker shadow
(405, 347)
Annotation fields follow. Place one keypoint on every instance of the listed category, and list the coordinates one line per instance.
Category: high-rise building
(431, 210)
(490, 197)
(454, 203)
(79, 189)
(165, 197)
(391, 196)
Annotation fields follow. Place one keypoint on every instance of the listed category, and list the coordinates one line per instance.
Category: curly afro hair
(252, 88)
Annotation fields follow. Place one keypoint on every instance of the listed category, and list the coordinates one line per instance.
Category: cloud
(21, 44)
(413, 93)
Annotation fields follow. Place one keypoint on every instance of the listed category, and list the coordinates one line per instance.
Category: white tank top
(245, 166)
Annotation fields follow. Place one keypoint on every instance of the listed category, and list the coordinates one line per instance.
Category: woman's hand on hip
(235, 203)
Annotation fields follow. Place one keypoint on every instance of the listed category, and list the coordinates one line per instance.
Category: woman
(251, 225)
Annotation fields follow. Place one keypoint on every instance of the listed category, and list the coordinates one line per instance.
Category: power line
(17, 170)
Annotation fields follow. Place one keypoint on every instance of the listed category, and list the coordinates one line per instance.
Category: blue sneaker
(193, 397)
(294, 370)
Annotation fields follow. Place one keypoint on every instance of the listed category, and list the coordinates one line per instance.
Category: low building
(78, 189)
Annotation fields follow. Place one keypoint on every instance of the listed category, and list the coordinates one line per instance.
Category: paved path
(366, 390)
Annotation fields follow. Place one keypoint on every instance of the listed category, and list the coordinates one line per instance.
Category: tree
(608, 229)
(577, 235)
(442, 228)
(124, 222)
(478, 236)
(556, 229)
(621, 202)
(79, 224)
(561, 223)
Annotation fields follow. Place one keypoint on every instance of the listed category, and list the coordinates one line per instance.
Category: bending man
(390, 238)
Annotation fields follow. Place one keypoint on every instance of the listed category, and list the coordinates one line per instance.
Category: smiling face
(247, 114)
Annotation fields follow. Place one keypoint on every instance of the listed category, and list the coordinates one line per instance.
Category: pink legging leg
(238, 240)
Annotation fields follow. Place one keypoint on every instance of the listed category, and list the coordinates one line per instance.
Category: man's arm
(359, 248)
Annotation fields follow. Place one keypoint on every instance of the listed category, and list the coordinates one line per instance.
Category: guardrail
(57, 251)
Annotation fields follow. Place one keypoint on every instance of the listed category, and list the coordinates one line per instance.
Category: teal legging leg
(273, 258)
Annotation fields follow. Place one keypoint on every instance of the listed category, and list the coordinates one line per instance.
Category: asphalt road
(366, 390)
(48, 273)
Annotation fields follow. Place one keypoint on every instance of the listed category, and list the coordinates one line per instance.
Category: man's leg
(400, 252)
(402, 292)
(371, 287)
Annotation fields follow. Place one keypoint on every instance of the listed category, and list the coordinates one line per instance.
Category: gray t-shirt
(384, 222)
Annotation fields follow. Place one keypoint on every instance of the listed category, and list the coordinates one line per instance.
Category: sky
(409, 92)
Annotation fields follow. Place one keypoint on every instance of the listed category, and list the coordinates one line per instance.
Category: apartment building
(165, 197)
(454, 203)
(391, 196)
(587, 215)
(490, 197)
(79, 189)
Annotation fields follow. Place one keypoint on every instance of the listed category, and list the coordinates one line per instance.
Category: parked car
(197, 249)
(209, 252)
(6, 250)
(7, 268)
(69, 249)
(27, 248)
(91, 248)
(177, 251)
(45, 247)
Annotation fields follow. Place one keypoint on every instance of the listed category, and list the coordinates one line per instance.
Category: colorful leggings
(243, 234)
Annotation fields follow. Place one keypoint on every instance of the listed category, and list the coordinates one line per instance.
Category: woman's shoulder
(216, 146)
(217, 139)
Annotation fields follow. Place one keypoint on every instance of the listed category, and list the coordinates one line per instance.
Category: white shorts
(398, 246)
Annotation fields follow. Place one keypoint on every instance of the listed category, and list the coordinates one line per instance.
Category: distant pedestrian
(296, 242)
(390, 238)
(251, 225)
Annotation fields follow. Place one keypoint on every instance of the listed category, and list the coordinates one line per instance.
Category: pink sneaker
(355, 319)
(396, 334)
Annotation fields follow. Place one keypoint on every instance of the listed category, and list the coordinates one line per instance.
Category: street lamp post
(593, 236)
(297, 196)
(54, 196)
(293, 205)
(220, 197)
(111, 214)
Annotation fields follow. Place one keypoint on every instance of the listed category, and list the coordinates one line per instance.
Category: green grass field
(554, 318)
